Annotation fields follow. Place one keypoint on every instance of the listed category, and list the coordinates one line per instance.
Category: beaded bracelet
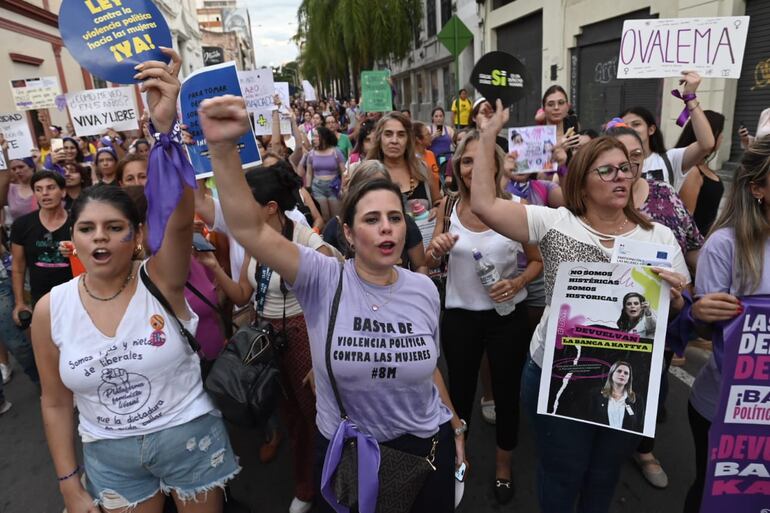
(74, 472)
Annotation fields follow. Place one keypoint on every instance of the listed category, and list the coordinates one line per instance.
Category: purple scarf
(368, 468)
(168, 171)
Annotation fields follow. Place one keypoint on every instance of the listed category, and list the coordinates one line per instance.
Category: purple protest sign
(738, 475)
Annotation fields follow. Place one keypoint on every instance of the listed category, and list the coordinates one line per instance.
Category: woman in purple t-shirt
(735, 261)
(384, 362)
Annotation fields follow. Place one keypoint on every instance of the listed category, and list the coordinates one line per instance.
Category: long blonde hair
(747, 216)
(474, 135)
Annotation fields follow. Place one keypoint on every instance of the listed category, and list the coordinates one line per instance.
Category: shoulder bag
(401, 474)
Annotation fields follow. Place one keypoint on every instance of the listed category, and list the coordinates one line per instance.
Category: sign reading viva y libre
(110, 37)
(664, 48)
(95, 110)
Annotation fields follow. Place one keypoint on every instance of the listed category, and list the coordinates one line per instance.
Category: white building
(182, 19)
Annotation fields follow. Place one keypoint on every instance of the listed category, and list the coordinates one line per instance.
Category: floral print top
(663, 205)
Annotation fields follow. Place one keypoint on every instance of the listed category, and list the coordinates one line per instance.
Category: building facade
(226, 34)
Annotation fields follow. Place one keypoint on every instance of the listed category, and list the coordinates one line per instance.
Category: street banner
(498, 75)
(15, 129)
(376, 95)
(35, 93)
(664, 48)
(738, 475)
(532, 147)
(201, 84)
(110, 37)
(95, 110)
(258, 90)
(604, 346)
(307, 88)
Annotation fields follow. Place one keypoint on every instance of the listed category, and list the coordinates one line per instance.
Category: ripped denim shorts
(188, 459)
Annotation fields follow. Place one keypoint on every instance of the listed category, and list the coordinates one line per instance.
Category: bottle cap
(476, 254)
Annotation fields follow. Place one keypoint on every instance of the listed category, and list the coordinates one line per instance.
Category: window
(446, 11)
(430, 17)
(499, 3)
(407, 96)
(420, 87)
(98, 82)
(434, 87)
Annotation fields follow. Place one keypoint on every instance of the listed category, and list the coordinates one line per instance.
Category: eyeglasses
(609, 172)
(636, 156)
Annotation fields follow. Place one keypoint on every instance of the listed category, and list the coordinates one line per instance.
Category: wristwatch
(462, 429)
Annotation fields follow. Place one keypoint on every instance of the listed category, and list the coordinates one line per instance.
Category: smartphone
(741, 125)
(460, 473)
(571, 121)
(440, 129)
(57, 144)
(201, 244)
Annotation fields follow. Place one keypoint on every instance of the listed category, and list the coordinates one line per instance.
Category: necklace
(618, 231)
(375, 304)
(122, 288)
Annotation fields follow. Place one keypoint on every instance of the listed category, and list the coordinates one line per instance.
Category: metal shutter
(523, 39)
(754, 85)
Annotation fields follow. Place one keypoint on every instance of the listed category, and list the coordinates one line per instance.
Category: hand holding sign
(494, 123)
(224, 121)
(162, 87)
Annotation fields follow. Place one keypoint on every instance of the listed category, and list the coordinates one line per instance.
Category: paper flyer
(204, 83)
(634, 252)
(532, 147)
(604, 346)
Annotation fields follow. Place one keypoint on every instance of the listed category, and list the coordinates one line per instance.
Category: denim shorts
(188, 459)
(323, 189)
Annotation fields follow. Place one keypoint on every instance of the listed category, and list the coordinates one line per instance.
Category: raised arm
(5, 174)
(204, 204)
(224, 120)
(169, 266)
(704, 136)
(300, 139)
(506, 217)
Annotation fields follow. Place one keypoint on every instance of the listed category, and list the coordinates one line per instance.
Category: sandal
(488, 412)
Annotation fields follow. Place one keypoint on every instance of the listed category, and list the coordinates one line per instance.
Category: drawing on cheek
(129, 237)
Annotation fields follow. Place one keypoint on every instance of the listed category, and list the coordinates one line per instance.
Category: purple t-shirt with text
(383, 360)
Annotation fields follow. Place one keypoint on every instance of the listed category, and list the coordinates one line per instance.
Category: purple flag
(738, 475)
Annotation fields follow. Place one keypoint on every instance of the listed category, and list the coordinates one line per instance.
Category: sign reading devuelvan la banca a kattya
(110, 37)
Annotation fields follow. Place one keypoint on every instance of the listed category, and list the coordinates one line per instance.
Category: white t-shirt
(563, 237)
(464, 289)
(143, 380)
(274, 300)
(655, 167)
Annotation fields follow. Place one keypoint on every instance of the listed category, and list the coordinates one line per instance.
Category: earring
(759, 200)
(138, 251)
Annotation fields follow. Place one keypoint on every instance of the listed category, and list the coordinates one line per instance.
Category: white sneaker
(5, 407)
(298, 506)
(6, 371)
(488, 411)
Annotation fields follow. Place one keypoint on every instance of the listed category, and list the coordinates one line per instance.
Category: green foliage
(342, 37)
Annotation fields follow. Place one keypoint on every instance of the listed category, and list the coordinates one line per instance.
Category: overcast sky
(273, 24)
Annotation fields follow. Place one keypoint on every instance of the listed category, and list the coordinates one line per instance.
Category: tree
(339, 38)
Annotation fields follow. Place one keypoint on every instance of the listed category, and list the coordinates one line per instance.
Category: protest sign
(15, 129)
(35, 93)
(606, 335)
(376, 95)
(532, 147)
(498, 75)
(3, 163)
(95, 110)
(738, 475)
(258, 90)
(664, 48)
(307, 88)
(110, 37)
(209, 82)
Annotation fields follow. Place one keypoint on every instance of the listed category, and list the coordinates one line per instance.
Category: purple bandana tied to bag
(168, 171)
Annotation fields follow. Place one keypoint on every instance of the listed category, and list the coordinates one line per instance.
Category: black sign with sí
(501, 75)
(213, 55)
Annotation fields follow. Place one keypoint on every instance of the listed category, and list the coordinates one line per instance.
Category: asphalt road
(28, 484)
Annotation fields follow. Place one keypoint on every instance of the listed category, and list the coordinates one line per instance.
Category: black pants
(465, 335)
(699, 426)
(438, 493)
(648, 444)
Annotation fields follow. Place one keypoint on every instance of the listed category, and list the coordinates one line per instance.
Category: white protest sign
(14, 127)
(532, 147)
(258, 90)
(35, 93)
(664, 48)
(307, 88)
(96, 110)
(3, 163)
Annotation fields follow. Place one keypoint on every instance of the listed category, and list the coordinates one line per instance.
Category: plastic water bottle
(489, 276)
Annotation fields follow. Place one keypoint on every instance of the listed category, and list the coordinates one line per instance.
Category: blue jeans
(576, 461)
(12, 337)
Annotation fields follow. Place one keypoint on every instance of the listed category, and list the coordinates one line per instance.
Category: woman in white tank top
(103, 342)
(471, 325)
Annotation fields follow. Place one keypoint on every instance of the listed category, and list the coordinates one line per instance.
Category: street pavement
(28, 483)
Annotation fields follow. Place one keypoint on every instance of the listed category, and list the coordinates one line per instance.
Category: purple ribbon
(368, 468)
(685, 114)
(168, 171)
